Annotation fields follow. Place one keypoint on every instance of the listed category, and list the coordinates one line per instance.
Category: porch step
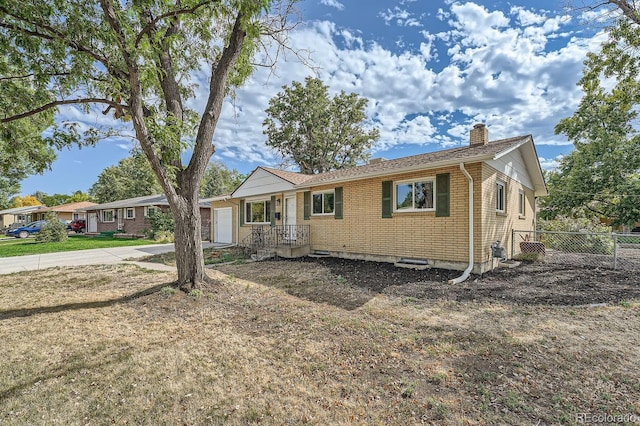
(320, 253)
(263, 254)
(409, 263)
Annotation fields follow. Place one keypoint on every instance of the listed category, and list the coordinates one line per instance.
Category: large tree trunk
(188, 244)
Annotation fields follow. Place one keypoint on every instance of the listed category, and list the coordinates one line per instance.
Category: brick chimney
(479, 135)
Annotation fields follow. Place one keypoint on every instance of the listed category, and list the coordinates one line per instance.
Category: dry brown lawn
(90, 346)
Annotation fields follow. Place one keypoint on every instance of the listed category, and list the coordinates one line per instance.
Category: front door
(290, 217)
(120, 223)
(92, 222)
(223, 225)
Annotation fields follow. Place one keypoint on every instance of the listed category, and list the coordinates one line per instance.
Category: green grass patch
(19, 247)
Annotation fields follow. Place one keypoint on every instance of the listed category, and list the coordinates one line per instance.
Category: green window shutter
(307, 205)
(272, 210)
(241, 212)
(337, 199)
(387, 202)
(442, 195)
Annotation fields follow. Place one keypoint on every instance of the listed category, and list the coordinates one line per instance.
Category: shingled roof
(292, 177)
(435, 159)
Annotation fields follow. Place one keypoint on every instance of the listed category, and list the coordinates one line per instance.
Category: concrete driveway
(101, 256)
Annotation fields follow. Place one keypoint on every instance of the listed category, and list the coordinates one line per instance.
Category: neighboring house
(131, 215)
(17, 215)
(66, 212)
(444, 208)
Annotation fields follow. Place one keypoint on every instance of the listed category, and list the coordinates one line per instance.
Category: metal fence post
(513, 243)
(615, 250)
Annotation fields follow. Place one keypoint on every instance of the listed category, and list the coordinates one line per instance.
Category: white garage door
(223, 225)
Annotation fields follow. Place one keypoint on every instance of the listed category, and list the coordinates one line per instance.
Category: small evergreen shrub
(53, 231)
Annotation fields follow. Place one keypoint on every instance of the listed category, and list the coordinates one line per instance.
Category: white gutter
(467, 271)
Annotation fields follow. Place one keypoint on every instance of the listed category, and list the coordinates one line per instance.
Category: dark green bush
(162, 225)
(52, 231)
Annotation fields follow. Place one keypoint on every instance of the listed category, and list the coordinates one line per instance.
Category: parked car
(77, 225)
(26, 230)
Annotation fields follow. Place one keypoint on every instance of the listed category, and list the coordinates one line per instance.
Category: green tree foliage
(162, 225)
(52, 231)
(219, 180)
(138, 60)
(601, 176)
(316, 132)
(131, 177)
(57, 199)
(8, 189)
(25, 147)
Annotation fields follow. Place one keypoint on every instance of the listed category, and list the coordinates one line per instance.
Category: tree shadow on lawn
(18, 313)
(72, 364)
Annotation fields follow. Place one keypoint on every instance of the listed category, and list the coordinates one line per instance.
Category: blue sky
(430, 70)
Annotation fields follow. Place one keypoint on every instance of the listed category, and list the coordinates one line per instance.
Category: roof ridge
(459, 153)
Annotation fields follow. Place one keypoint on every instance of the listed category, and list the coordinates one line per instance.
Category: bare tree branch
(22, 77)
(54, 104)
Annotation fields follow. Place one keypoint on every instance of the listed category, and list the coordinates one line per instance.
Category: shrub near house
(52, 231)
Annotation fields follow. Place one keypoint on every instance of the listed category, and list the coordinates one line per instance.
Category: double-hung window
(500, 196)
(417, 195)
(324, 202)
(149, 210)
(108, 216)
(257, 211)
(130, 213)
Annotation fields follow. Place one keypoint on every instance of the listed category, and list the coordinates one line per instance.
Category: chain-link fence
(606, 250)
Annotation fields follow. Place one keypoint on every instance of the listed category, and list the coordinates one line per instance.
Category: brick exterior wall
(139, 224)
(363, 233)
(443, 241)
(496, 225)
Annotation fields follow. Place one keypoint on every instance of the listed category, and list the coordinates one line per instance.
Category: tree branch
(217, 90)
(152, 23)
(58, 103)
(22, 77)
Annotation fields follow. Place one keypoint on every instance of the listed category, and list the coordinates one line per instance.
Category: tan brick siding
(363, 231)
(444, 241)
(498, 226)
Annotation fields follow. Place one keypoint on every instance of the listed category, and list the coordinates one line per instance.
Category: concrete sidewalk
(101, 256)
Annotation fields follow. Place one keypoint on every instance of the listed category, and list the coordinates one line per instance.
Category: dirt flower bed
(351, 283)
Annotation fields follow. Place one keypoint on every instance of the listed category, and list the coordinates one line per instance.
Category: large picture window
(257, 211)
(324, 202)
(415, 195)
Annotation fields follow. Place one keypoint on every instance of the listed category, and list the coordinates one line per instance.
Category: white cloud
(485, 66)
(401, 17)
(333, 3)
(550, 163)
(498, 73)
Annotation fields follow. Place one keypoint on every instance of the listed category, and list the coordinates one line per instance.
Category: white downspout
(467, 271)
